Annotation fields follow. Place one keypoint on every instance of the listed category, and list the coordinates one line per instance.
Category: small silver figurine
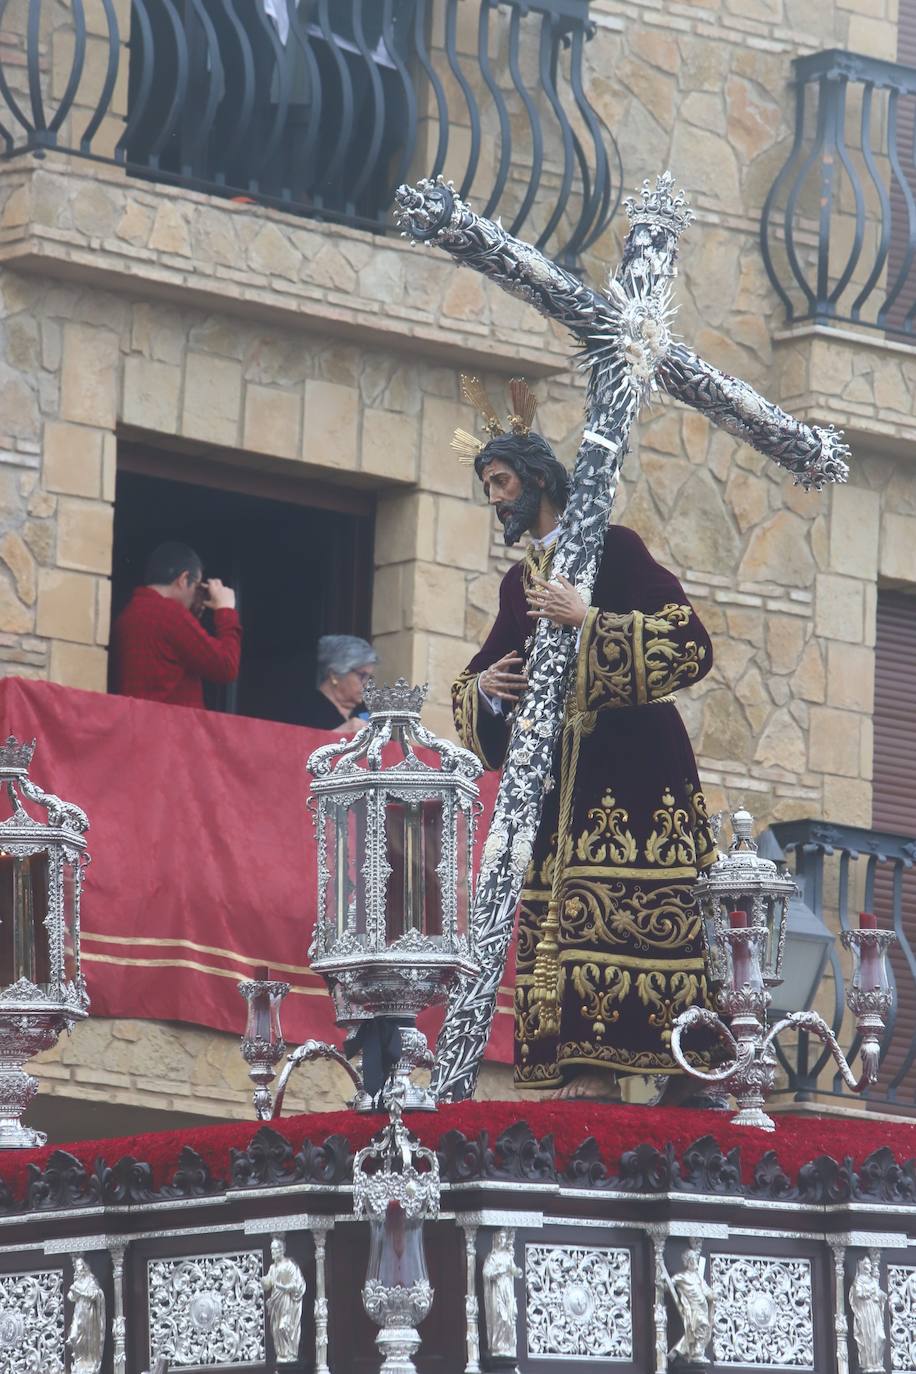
(284, 1289)
(868, 1302)
(499, 1274)
(87, 1329)
(695, 1302)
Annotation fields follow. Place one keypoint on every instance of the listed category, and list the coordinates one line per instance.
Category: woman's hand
(505, 679)
(557, 601)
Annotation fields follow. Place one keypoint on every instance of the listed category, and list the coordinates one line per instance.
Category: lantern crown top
(743, 831)
(16, 757)
(400, 700)
(743, 869)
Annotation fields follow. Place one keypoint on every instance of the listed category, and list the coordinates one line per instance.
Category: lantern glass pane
(345, 895)
(773, 908)
(869, 968)
(263, 1023)
(396, 1256)
(24, 941)
(413, 833)
(70, 881)
(462, 872)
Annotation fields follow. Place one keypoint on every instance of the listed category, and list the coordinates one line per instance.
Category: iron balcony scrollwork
(326, 107)
(838, 228)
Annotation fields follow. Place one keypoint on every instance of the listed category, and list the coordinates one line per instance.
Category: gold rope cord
(546, 992)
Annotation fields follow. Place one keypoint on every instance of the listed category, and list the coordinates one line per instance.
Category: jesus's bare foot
(595, 1086)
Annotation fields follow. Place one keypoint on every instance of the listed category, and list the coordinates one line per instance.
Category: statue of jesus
(599, 998)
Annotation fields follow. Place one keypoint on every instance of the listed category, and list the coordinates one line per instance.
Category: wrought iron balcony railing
(323, 106)
(842, 870)
(838, 231)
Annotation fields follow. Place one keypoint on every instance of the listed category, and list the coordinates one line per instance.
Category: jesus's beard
(520, 516)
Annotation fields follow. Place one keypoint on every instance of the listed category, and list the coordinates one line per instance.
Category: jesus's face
(517, 501)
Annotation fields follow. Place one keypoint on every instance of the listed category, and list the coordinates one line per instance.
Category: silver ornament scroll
(628, 351)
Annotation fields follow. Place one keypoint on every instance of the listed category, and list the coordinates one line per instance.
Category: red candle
(868, 920)
(262, 973)
(738, 920)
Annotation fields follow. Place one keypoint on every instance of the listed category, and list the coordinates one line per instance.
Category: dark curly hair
(529, 456)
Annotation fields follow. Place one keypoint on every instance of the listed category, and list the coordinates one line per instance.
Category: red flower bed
(617, 1129)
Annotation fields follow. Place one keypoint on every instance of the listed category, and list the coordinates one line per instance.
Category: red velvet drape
(203, 854)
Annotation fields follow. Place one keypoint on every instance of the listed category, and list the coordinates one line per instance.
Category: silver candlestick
(750, 1073)
(263, 1045)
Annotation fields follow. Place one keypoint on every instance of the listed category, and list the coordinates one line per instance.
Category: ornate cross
(628, 349)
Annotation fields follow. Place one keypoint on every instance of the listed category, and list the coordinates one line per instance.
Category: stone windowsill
(855, 379)
(88, 221)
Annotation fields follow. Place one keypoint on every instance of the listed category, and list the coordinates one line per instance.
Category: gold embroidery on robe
(668, 996)
(599, 986)
(633, 659)
(466, 708)
(607, 840)
(595, 912)
(706, 848)
(672, 841)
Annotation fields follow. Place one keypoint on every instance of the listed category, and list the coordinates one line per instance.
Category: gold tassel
(524, 404)
(546, 991)
(547, 975)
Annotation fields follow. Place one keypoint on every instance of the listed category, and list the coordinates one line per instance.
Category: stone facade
(139, 310)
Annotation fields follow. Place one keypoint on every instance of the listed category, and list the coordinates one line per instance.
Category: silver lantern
(742, 880)
(395, 810)
(744, 904)
(42, 990)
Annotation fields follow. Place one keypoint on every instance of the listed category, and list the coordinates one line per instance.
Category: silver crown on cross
(662, 206)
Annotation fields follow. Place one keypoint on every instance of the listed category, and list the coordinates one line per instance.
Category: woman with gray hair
(345, 664)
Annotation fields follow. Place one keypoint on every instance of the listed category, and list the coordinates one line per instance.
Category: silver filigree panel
(32, 1322)
(763, 1312)
(901, 1301)
(578, 1302)
(207, 1309)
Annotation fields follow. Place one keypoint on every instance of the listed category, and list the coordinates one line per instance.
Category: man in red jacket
(161, 650)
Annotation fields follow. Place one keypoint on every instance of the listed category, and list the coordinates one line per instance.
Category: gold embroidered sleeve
(484, 734)
(634, 658)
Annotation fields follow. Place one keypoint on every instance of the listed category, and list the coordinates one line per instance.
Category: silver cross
(629, 351)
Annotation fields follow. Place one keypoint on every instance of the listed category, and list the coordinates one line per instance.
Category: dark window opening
(298, 571)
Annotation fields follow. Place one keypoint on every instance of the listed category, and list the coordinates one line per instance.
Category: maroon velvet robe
(630, 954)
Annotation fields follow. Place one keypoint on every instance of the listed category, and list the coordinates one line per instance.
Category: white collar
(540, 545)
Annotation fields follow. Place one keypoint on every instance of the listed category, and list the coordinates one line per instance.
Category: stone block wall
(142, 311)
(146, 310)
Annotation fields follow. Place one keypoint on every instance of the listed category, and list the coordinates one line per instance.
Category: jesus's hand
(556, 600)
(504, 679)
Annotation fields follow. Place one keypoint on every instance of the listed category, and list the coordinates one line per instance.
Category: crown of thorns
(523, 404)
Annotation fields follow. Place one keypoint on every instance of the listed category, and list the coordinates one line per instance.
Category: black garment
(320, 714)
